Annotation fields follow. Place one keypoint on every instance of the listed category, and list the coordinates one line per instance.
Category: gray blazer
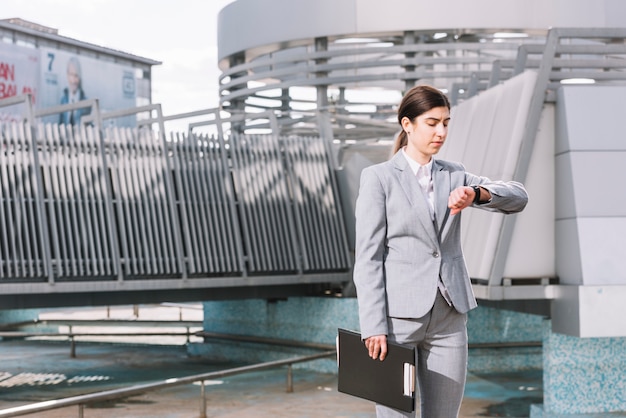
(400, 252)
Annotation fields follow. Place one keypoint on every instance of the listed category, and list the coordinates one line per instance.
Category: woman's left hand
(460, 198)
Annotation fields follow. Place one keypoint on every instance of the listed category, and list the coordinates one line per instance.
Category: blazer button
(435, 254)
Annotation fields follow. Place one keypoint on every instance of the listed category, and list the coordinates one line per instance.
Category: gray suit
(400, 253)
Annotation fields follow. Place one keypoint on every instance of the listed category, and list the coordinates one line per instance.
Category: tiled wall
(491, 325)
(583, 375)
(317, 319)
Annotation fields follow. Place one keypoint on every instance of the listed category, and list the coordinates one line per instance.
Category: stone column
(583, 377)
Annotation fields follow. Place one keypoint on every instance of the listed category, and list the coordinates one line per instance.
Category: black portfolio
(390, 382)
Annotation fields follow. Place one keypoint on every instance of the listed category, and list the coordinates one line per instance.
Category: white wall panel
(488, 130)
(592, 118)
(532, 250)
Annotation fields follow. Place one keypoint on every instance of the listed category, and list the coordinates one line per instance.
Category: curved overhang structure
(356, 57)
(258, 27)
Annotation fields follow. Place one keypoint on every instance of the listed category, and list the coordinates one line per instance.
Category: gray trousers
(441, 358)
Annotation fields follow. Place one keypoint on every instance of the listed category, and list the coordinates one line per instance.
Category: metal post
(409, 39)
(81, 410)
(202, 400)
(289, 378)
(72, 344)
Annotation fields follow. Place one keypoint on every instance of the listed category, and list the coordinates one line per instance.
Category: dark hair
(418, 100)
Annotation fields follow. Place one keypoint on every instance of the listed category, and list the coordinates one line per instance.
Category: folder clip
(409, 379)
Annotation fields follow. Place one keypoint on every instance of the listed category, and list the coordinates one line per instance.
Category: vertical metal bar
(48, 145)
(179, 146)
(295, 243)
(340, 230)
(115, 250)
(320, 205)
(165, 222)
(143, 184)
(28, 228)
(7, 214)
(72, 226)
(210, 252)
(85, 181)
(259, 221)
(334, 210)
(127, 220)
(219, 189)
(214, 252)
(496, 71)
(136, 226)
(169, 193)
(312, 231)
(289, 378)
(14, 209)
(60, 197)
(117, 203)
(202, 400)
(4, 238)
(15, 216)
(313, 158)
(260, 189)
(97, 195)
(277, 198)
(522, 57)
(81, 410)
(231, 195)
(282, 202)
(242, 197)
(297, 201)
(72, 343)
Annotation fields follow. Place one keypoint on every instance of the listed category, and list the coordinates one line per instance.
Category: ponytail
(400, 142)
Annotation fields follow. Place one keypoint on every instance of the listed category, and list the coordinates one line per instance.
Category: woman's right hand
(377, 346)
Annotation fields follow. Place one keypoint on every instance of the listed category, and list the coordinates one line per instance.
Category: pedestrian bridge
(100, 214)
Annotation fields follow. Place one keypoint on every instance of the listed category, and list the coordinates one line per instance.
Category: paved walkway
(35, 371)
(41, 370)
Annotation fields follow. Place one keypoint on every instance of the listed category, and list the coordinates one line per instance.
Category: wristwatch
(476, 194)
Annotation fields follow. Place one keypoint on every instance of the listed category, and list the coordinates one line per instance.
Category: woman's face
(426, 133)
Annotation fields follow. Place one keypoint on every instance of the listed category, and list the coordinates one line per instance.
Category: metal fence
(83, 204)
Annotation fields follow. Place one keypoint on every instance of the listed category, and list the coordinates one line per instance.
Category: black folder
(390, 382)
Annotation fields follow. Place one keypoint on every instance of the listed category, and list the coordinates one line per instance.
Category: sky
(182, 34)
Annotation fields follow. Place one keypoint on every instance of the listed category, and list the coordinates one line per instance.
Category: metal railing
(129, 206)
(82, 400)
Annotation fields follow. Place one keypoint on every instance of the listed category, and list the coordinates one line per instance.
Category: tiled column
(583, 377)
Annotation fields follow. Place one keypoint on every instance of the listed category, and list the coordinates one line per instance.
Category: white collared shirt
(425, 179)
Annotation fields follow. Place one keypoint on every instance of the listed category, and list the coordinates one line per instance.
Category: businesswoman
(412, 283)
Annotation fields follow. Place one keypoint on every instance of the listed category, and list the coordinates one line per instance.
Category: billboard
(19, 74)
(66, 77)
(57, 77)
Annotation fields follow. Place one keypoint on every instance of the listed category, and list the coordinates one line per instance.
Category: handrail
(82, 400)
(71, 335)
